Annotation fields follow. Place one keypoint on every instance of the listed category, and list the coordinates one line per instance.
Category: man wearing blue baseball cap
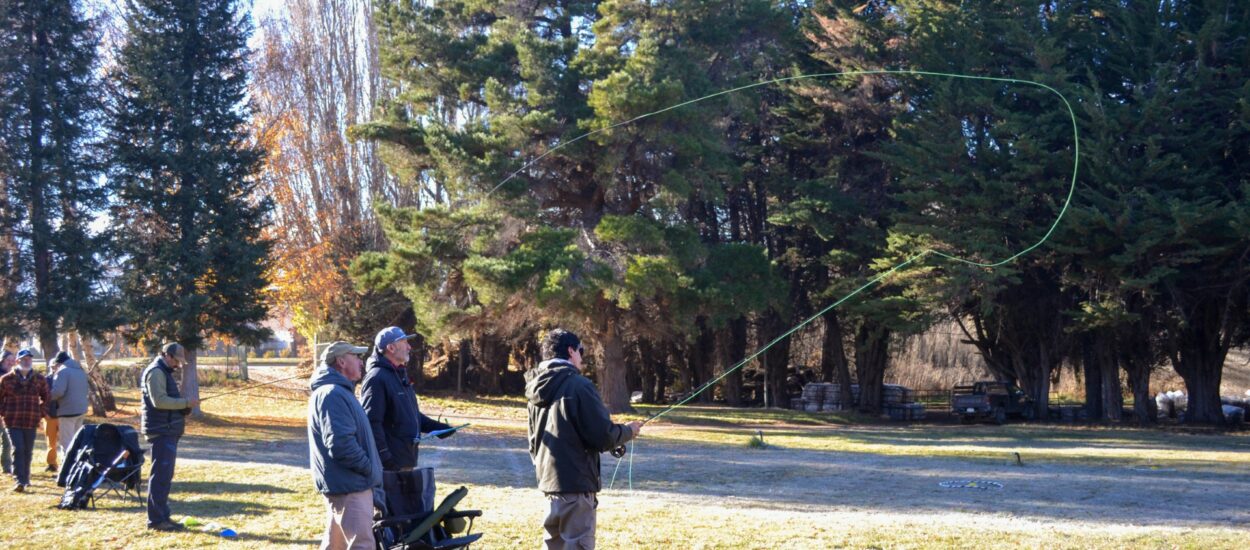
(391, 403)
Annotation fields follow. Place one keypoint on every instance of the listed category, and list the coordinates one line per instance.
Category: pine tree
(190, 225)
(1159, 235)
(49, 110)
(614, 236)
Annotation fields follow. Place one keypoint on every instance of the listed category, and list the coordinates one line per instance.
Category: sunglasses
(581, 350)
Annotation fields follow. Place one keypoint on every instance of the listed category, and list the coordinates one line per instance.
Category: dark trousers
(164, 454)
(23, 448)
(6, 451)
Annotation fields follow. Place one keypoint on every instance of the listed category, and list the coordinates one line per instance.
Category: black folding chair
(106, 457)
(413, 523)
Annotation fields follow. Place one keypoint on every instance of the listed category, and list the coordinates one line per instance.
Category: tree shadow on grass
(218, 487)
(217, 508)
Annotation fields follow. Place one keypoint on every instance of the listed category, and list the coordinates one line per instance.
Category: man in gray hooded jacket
(568, 428)
(344, 458)
(69, 390)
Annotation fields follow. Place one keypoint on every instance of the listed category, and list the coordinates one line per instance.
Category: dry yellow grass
(244, 467)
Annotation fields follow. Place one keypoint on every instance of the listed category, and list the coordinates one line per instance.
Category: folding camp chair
(414, 523)
(107, 459)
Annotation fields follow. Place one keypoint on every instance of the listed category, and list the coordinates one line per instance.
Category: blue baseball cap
(388, 336)
(24, 354)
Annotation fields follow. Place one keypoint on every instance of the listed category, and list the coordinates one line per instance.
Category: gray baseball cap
(339, 349)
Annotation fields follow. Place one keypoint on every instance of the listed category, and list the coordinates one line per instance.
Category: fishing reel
(619, 452)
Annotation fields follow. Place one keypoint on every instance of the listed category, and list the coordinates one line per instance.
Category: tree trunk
(190, 385)
(1144, 406)
(466, 346)
(241, 352)
(1109, 370)
(612, 367)
(1093, 377)
(649, 367)
(416, 362)
(1198, 353)
(99, 393)
(735, 351)
(833, 364)
(493, 361)
(662, 372)
(704, 356)
(776, 360)
(871, 359)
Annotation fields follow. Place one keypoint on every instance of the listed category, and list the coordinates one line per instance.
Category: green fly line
(1076, 160)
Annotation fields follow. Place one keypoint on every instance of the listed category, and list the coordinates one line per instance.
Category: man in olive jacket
(568, 428)
(163, 423)
(344, 458)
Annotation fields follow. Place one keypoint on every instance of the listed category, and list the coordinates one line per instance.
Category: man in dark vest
(164, 412)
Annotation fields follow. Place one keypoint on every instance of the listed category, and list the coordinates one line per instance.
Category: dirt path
(826, 481)
(494, 452)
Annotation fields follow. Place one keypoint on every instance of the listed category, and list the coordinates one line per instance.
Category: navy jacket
(342, 454)
(391, 403)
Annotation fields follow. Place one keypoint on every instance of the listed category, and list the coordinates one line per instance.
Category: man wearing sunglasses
(568, 428)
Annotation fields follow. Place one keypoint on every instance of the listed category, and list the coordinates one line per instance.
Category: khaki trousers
(65, 434)
(349, 522)
(570, 523)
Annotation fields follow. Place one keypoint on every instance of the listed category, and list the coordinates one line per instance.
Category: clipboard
(437, 433)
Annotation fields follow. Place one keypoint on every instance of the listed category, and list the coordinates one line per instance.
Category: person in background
(23, 402)
(342, 454)
(69, 393)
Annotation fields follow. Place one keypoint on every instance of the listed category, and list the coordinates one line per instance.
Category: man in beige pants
(69, 389)
(344, 458)
(568, 428)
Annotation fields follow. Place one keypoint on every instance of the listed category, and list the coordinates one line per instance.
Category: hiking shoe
(50, 468)
(19, 488)
(167, 526)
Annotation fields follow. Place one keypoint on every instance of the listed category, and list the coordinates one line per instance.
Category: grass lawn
(698, 484)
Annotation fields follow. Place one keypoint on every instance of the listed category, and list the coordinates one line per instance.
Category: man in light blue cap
(391, 402)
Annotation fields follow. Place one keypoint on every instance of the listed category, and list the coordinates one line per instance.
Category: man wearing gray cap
(343, 456)
(163, 423)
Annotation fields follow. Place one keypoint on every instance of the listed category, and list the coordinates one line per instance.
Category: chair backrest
(106, 445)
(444, 507)
(409, 491)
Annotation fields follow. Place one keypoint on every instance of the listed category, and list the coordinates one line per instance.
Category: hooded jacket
(342, 454)
(396, 419)
(568, 428)
(69, 389)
